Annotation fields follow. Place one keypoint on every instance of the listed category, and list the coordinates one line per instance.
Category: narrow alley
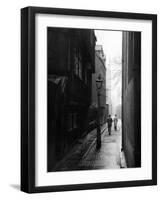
(93, 80)
(85, 156)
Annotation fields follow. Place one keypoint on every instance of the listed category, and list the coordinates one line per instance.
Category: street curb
(122, 160)
(92, 144)
(84, 155)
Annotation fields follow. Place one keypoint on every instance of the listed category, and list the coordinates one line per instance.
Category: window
(75, 124)
(78, 62)
(85, 76)
(72, 121)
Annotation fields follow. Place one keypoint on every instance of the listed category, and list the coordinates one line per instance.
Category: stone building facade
(131, 98)
(71, 62)
(100, 69)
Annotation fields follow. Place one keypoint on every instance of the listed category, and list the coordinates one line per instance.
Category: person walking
(115, 122)
(109, 122)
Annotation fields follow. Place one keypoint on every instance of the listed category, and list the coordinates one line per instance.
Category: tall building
(131, 98)
(108, 87)
(71, 62)
(100, 69)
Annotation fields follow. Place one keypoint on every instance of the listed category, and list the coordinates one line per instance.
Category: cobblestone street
(85, 156)
(108, 156)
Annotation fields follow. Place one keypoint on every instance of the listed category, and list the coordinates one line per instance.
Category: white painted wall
(10, 99)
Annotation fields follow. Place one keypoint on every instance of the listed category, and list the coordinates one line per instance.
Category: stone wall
(131, 98)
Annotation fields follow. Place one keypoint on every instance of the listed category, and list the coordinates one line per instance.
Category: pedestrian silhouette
(109, 122)
(115, 122)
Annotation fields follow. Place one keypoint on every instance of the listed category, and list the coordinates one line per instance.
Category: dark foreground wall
(71, 62)
(131, 98)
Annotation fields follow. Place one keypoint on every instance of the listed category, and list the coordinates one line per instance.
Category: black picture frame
(28, 98)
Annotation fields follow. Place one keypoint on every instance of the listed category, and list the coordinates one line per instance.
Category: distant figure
(109, 122)
(115, 122)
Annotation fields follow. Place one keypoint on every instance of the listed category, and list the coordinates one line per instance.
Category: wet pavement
(107, 157)
(85, 156)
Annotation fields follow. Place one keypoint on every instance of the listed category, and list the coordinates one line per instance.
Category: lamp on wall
(99, 83)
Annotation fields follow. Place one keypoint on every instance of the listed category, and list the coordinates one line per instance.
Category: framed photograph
(88, 99)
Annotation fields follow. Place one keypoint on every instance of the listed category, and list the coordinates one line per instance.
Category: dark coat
(109, 122)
